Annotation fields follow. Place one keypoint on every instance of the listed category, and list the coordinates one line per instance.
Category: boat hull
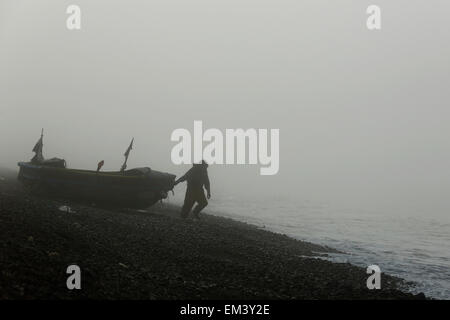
(136, 188)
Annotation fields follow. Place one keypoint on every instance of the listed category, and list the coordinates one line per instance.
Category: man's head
(203, 164)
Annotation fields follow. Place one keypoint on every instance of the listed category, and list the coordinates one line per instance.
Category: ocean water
(416, 249)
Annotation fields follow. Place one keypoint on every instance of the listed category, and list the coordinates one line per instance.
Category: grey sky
(363, 116)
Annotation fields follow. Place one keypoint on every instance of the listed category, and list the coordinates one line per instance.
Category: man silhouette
(197, 178)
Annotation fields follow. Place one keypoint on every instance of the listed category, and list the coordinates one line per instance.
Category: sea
(415, 248)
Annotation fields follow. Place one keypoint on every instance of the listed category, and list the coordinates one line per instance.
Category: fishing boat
(134, 188)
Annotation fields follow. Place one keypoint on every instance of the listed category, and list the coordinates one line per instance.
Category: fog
(363, 115)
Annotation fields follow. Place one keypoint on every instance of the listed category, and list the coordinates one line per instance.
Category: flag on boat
(127, 153)
(38, 146)
(37, 149)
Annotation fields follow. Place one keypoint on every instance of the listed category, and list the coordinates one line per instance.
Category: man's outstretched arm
(183, 178)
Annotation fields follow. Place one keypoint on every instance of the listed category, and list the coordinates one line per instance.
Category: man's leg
(189, 200)
(201, 202)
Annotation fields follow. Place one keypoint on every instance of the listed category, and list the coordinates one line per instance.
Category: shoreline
(129, 254)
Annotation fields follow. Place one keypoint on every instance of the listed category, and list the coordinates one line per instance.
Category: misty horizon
(362, 115)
